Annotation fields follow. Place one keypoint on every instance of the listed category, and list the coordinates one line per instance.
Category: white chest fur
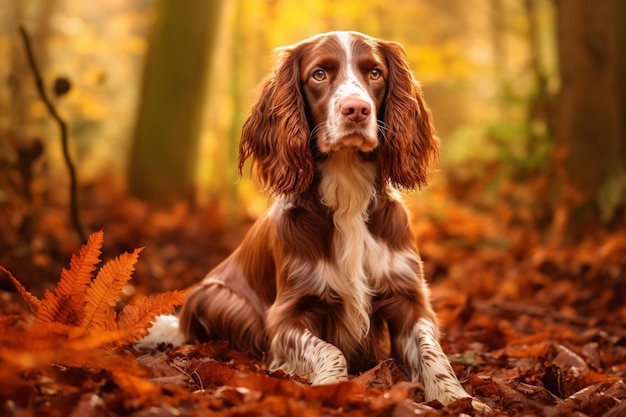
(347, 188)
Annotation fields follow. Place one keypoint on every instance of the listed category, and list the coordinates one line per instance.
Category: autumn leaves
(77, 324)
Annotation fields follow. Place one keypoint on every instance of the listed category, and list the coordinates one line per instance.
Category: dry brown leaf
(579, 399)
(379, 376)
(569, 361)
(337, 395)
(618, 411)
(211, 373)
(159, 365)
(143, 391)
(397, 394)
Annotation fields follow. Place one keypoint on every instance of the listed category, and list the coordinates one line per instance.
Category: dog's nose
(355, 109)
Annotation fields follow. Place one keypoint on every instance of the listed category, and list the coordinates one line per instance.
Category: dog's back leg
(215, 312)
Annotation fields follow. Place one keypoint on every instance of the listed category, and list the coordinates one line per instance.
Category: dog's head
(333, 91)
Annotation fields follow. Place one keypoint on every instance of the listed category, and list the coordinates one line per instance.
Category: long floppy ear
(410, 145)
(276, 135)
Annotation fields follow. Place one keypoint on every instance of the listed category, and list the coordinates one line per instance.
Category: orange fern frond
(50, 307)
(33, 302)
(75, 281)
(135, 318)
(66, 303)
(103, 293)
(105, 340)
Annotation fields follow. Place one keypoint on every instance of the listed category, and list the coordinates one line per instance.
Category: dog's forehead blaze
(336, 48)
(327, 52)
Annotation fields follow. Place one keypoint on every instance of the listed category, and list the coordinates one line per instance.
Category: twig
(63, 127)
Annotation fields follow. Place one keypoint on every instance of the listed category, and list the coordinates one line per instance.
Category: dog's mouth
(357, 142)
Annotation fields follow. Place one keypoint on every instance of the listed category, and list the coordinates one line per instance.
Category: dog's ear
(410, 146)
(276, 135)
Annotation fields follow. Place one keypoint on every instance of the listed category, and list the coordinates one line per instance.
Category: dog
(328, 282)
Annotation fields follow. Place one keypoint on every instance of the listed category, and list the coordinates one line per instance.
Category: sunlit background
(479, 63)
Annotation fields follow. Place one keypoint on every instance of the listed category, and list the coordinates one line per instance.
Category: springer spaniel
(329, 280)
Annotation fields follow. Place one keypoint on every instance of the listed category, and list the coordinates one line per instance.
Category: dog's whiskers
(383, 128)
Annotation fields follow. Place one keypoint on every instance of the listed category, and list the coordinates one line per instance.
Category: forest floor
(533, 324)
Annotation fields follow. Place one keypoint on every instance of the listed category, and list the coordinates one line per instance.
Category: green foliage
(521, 148)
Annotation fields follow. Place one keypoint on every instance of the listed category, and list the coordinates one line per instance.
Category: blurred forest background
(522, 229)
(528, 98)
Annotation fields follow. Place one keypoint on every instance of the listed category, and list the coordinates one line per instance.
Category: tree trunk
(590, 128)
(163, 160)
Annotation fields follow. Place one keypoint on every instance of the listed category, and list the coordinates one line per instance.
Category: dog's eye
(375, 74)
(319, 75)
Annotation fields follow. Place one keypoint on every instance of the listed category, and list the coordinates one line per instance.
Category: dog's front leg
(421, 352)
(303, 354)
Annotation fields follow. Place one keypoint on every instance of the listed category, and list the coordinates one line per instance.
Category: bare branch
(64, 136)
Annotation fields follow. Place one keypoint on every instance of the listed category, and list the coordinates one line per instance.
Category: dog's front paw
(463, 403)
(480, 408)
(332, 369)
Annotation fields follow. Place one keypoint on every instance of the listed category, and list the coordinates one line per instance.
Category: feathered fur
(329, 280)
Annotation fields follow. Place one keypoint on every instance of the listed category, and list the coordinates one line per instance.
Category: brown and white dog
(329, 281)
